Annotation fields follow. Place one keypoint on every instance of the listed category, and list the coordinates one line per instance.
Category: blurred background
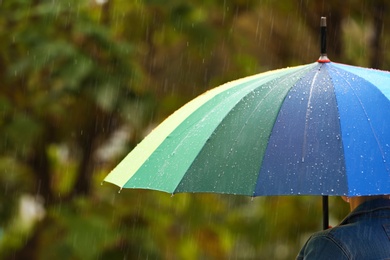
(83, 81)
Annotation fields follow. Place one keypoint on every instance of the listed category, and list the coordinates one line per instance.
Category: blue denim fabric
(363, 234)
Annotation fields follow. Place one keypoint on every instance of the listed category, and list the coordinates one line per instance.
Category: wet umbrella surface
(317, 129)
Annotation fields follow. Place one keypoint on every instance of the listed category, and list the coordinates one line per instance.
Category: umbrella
(316, 129)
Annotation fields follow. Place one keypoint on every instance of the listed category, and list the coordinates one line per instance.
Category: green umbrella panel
(211, 144)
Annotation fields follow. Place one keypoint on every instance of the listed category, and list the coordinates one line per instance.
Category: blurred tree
(84, 81)
(67, 87)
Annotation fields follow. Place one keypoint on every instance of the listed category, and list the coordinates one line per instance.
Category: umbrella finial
(323, 58)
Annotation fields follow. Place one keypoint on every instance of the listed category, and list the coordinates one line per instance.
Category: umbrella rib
(369, 122)
(307, 117)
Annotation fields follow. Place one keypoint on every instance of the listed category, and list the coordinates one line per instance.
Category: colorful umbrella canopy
(316, 129)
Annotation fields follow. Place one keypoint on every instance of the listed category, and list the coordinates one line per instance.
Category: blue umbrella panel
(333, 129)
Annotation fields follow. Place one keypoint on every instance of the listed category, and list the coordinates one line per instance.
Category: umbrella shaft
(323, 36)
(325, 212)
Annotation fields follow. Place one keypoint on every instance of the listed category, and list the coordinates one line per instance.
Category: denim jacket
(363, 234)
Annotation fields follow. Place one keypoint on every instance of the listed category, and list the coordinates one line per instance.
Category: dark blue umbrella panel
(331, 135)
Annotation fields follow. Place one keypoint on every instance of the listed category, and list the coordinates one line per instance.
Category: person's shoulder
(324, 245)
(330, 235)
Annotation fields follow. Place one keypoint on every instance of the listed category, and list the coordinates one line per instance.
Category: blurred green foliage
(82, 82)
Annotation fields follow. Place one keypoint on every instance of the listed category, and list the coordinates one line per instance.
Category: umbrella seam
(307, 117)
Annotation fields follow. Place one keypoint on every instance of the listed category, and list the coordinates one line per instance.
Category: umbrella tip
(323, 21)
(323, 58)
